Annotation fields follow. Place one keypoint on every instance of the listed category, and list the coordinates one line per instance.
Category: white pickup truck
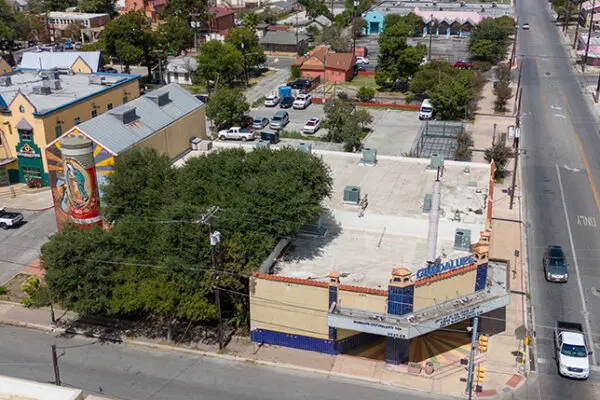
(10, 219)
(236, 133)
(572, 353)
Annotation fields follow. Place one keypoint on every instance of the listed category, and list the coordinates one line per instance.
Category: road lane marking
(585, 161)
(585, 220)
(588, 326)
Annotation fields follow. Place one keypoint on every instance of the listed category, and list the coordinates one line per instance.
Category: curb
(37, 209)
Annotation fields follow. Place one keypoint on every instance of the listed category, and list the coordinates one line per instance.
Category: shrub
(365, 94)
(503, 93)
(463, 151)
(501, 154)
(3, 290)
(295, 71)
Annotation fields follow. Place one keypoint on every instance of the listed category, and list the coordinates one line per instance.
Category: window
(25, 136)
(58, 130)
(21, 109)
(94, 113)
(76, 121)
(31, 173)
(109, 106)
(125, 99)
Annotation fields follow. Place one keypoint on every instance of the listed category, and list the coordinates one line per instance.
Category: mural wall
(75, 187)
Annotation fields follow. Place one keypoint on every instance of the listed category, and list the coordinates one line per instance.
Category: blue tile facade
(333, 296)
(481, 278)
(401, 299)
(349, 343)
(396, 351)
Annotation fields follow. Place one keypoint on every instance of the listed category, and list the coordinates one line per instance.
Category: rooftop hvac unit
(462, 239)
(262, 144)
(52, 83)
(52, 74)
(427, 203)
(369, 156)
(351, 195)
(305, 147)
(5, 81)
(43, 90)
(437, 161)
(96, 79)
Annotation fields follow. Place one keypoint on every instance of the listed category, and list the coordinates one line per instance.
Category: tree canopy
(218, 62)
(155, 260)
(175, 35)
(246, 41)
(452, 95)
(97, 6)
(315, 8)
(346, 124)
(226, 107)
(489, 38)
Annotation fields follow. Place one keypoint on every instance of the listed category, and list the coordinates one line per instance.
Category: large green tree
(430, 75)
(131, 39)
(219, 62)
(315, 8)
(246, 41)
(346, 124)
(226, 107)
(335, 36)
(175, 35)
(452, 96)
(489, 39)
(97, 6)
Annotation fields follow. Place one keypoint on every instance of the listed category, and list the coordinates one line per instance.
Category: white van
(426, 111)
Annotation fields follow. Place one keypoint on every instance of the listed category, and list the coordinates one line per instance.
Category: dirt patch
(13, 289)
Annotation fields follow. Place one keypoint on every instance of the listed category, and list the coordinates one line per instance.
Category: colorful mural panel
(73, 186)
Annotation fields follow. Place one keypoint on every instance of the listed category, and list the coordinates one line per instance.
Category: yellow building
(36, 107)
(165, 119)
(5, 67)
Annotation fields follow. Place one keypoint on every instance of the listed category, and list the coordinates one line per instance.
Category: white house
(179, 70)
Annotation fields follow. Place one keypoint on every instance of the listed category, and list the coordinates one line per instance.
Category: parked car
(68, 45)
(300, 84)
(312, 125)
(360, 67)
(555, 264)
(286, 102)
(10, 219)
(279, 120)
(78, 45)
(462, 64)
(362, 60)
(272, 100)
(260, 122)
(302, 101)
(246, 121)
(236, 133)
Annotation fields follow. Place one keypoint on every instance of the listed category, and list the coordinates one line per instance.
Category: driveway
(393, 132)
(20, 246)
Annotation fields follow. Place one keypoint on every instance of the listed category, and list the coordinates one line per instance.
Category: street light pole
(472, 357)
(215, 238)
(356, 3)
(245, 62)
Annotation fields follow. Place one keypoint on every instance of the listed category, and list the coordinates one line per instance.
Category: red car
(246, 122)
(460, 64)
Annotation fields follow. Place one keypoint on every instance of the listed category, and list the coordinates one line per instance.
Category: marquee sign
(26, 151)
(451, 265)
(376, 327)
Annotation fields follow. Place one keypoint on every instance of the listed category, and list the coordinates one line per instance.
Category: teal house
(374, 19)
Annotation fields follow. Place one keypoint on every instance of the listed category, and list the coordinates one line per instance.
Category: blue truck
(285, 94)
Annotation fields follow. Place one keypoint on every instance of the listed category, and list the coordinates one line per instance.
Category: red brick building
(327, 65)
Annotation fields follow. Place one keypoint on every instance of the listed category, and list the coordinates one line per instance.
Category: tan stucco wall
(175, 139)
(44, 128)
(362, 301)
(79, 66)
(289, 307)
(5, 68)
(445, 289)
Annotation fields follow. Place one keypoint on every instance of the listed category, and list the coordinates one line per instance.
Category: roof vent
(305, 147)
(262, 144)
(369, 156)
(96, 79)
(437, 161)
(5, 81)
(462, 239)
(43, 90)
(162, 99)
(52, 83)
(352, 195)
(49, 74)
(129, 116)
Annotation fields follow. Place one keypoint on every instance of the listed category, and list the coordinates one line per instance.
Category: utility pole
(246, 62)
(587, 47)
(567, 16)
(215, 238)
(431, 23)
(356, 4)
(577, 25)
(472, 357)
(516, 151)
(297, 49)
(55, 364)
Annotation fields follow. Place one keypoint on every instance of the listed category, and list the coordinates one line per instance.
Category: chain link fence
(437, 137)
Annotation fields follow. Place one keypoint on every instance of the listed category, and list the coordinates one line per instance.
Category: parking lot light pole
(356, 4)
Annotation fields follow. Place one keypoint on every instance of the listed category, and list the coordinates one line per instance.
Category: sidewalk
(20, 197)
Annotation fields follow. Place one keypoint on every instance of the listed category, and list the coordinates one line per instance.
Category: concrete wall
(362, 301)
(175, 138)
(289, 307)
(446, 289)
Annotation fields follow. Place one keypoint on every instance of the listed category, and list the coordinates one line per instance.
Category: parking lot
(298, 118)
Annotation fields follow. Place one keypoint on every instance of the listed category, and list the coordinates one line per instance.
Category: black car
(286, 102)
(300, 84)
(555, 264)
(360, 67)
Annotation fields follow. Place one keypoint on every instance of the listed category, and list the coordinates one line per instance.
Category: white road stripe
(588, 326)
(541, 360)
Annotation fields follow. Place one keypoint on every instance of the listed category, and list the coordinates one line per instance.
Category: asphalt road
(561, 167)
(19, 246)
(126, 372)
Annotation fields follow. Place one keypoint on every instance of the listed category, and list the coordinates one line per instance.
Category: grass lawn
(362, 80)
(195, 89)
(12, 289)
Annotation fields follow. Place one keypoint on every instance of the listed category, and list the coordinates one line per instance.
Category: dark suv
(301, 84)
(555, 264)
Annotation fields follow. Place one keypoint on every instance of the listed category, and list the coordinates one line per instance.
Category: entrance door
(374, 28)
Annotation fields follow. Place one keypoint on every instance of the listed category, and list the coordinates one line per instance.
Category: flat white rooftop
(393, 230)
(19, 389)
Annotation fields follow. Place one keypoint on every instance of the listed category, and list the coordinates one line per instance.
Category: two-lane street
(136, 373)
(560, 154)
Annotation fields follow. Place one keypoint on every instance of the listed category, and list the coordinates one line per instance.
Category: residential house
(374, 19)
(448, 23)
(38, 106)
(179, 70)
(284, 42)
(150, 8)
(586, 12)
(85, 62)
(91, 24)
(326, 65)
(164, 119)
(219, 25)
